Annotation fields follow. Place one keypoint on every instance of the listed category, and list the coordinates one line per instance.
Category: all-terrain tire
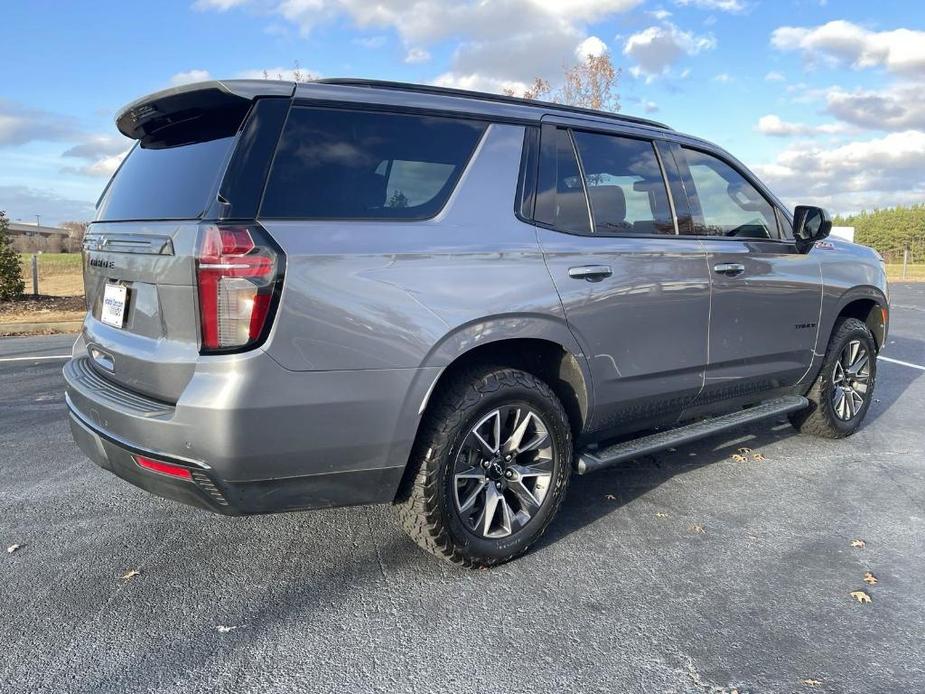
(425, 503)
(820, 418)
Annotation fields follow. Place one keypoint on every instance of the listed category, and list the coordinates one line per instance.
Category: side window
(625, 185)
(561, 201)
(337, 164)
(725, 204)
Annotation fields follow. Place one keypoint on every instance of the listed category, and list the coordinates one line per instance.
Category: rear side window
(625, 185)
(166, 182)
(561, 202)
(728, 204)
(336, 164)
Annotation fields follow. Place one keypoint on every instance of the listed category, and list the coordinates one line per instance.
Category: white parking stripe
(53, 356)
(901, 363)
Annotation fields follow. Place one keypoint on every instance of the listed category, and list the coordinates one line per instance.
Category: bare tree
(298, 74)
(591, 84)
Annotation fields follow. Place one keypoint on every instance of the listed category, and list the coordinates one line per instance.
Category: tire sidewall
(559, 432)
(826, 380)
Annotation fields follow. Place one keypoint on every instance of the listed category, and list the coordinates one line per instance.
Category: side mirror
(810, 224)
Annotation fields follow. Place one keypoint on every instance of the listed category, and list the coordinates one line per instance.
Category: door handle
(591, 273)
(729, 269)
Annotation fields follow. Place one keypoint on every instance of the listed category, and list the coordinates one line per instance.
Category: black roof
(487, 96)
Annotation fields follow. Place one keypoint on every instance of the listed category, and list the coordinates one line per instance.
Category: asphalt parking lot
(686, 572)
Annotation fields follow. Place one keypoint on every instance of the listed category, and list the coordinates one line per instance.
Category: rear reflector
(163, 468)
(239, 274)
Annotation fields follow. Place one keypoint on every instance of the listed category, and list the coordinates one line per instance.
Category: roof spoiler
(150, 114)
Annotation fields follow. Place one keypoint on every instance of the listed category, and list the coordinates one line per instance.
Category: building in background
(32, 238)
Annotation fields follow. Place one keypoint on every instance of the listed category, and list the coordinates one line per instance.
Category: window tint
(561, 202)
(334, 164)
(165, 182)
(625, 185)
(729, 204)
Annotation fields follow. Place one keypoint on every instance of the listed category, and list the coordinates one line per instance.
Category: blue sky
(823, 98)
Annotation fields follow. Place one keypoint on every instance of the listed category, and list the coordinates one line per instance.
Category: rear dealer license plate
(114, 305)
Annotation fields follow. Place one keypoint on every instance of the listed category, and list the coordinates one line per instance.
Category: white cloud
(723, 78)
(657, 48)
(660, 14)
(591, 46)
(417, 55)
(23, 202)
(721, 5)
(857, 175)
(189, 76)
(774, 77)
(900, 51)
(479, 83)
(220, 5)
(899, 107)
(371, 41)
(650, 107)
(509, 41)
(21, 124)
(101, 155)
(777, 127)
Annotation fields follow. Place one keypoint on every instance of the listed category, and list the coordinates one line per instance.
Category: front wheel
(490, 468)
(842, 393)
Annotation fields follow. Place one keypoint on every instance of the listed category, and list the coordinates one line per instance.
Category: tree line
(890, 231)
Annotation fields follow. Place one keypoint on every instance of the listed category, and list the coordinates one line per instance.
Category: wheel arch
(868, 305)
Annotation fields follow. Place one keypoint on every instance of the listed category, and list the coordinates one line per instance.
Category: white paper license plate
(114, 305)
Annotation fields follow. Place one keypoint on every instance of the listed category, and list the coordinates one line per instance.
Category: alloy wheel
(850, 380)
(503, 471)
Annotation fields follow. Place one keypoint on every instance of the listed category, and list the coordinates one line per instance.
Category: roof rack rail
(487, 96)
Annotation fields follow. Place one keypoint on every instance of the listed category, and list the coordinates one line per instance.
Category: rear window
(165, 182)
(336, 164)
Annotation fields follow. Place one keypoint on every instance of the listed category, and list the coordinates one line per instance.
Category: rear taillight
(239, 273)
(159, 466)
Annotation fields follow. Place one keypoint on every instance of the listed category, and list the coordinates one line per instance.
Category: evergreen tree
(11, 283)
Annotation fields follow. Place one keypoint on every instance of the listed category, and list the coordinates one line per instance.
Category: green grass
(60, 274)
(914, 273)
(53, 262)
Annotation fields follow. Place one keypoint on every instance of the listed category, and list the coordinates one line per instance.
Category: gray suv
(357, 292)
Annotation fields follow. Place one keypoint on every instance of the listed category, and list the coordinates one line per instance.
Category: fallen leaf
(224, 630)
(659, 514)
(758, 457)
(810, 682)
(869, 578)
(130, 574)
(745, 451)
(13, 548)
(860, 596)
(611, 497)
(697, 529)
(739, 458)
(857, 543)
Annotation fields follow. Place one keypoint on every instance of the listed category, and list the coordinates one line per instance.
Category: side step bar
(589, 461)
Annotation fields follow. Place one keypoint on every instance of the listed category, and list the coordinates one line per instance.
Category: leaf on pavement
(857, 543)
(810, 682)
(12, 548)
(860, 596)
(128, 575)
(869, 578)
(745, 451)
(221, 629)
(611, 497)
(758, 457)
(739, 458)
(697, 529)
(659, 514)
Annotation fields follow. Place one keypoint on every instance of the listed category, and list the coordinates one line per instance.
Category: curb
(67, 326)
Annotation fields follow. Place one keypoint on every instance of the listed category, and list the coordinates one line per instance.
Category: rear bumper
(208, 491)
(256, 437)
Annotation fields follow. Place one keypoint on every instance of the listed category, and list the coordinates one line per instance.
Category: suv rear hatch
(161, 262)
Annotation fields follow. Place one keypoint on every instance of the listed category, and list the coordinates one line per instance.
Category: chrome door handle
(591, 273)
(730, 269)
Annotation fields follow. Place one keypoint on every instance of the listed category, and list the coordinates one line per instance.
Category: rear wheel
(841, 395)
(490, 468)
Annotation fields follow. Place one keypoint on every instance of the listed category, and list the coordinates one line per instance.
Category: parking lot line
(901, 363)
(53, 356)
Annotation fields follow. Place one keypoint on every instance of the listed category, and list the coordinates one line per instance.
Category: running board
(589, 461)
